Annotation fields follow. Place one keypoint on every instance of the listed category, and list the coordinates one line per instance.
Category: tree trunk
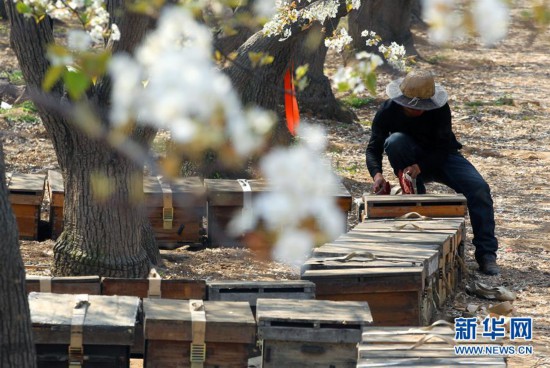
(264, 86)
(317, 98)
(390, 19)
(103, 215)
(104, 235)
(16, 346)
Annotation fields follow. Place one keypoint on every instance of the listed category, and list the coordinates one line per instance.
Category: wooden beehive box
(56, 191)
(26, 195)
(414, 347)
(215, 333)
(95, 331)
(176, 209)
(395, 294)
(64, 285)
(225, 197)
(433, 205)
(310, 333)
(251, 291)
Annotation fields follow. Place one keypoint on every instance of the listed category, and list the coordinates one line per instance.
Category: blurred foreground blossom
(448, 23)
(300, 207)
(173, 84)
(491, 18)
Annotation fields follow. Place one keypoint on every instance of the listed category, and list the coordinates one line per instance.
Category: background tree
(16, 346)
(106, 232)
(390, 19)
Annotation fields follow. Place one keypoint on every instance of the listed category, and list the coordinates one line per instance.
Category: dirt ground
(499, 98)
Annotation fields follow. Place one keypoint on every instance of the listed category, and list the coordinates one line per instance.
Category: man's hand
(413, 171)
(379, 182)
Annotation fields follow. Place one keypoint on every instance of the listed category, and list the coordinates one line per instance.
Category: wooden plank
(96, 356)
(186, 192)
(405, 351)
(163, 354)
(316, 312)
(229, 322)
(228, 192)
(428, 255)
(326, 322)
(434, 199)
(56, 188)
(434, 205)
(27, 183)
(250, 291)
(66, 285)
(110, 320)
(277, 354)
(170, 289)
(462, 362)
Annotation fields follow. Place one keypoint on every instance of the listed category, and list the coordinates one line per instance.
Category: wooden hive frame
(432, 205)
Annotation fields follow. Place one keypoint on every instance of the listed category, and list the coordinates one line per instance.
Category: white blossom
(444, 19)
(301, 187)
(339, 40)
(78, 40)
(491, 20)
(184, 92)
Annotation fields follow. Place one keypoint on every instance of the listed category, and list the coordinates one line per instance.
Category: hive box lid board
(109, 320)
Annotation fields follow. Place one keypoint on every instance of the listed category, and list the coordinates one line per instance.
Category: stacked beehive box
(405, 268)
(419, 347)
(26, 192)
(57, 198)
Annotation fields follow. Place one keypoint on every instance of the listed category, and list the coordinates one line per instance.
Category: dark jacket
(432, 131)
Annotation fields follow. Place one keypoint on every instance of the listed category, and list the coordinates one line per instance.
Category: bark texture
(317, 98)
(390, 19)
(105, 231)
(16, 346)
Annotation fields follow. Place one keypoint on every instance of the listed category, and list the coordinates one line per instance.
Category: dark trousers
(461, 176)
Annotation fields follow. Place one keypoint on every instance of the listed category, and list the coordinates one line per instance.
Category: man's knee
(397, 142)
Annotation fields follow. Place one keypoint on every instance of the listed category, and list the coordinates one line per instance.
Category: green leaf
(77, 83)
(23, 8)
(52, 76)
(301, 71)
(371, 83)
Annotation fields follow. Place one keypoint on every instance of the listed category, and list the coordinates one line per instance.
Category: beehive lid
(228, 192)
(183, 191)
(228, 322)
(312, 320)
(26, 188)
(109, 320)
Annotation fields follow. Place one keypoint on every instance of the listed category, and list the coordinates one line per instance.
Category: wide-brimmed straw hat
(417, 91)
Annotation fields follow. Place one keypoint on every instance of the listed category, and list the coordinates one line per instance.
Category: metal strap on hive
(76, 348)
(45, 283)
(167, 208)
(247, 194)
(198, 330)
(155, 280)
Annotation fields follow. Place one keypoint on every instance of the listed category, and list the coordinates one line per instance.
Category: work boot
(489, 266)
